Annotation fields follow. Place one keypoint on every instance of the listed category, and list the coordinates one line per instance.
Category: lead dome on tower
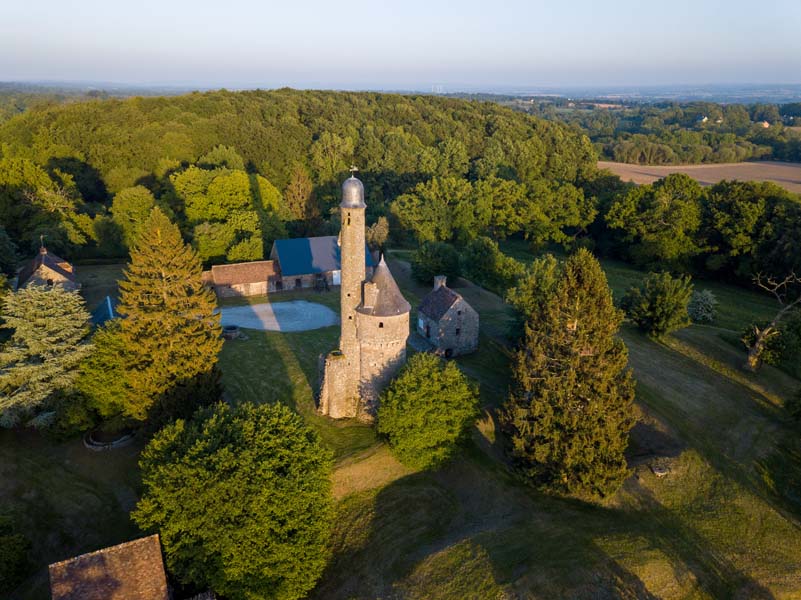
(352, 193)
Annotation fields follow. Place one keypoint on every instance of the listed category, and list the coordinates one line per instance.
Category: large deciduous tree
(435, 258)
(50, 330)
(426, 410)
(131, 208)
(660, 221)
(241, 498)
(570, 409)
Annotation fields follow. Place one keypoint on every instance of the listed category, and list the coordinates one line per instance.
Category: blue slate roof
(304, 256)
(107, 309)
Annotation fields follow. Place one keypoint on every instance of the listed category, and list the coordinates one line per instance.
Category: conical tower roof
(390, 300)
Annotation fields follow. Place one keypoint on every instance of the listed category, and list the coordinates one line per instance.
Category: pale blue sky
(403, 44)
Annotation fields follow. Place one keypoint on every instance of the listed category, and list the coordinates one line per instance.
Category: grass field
(724, 523)
(718, 526)
(787, 175)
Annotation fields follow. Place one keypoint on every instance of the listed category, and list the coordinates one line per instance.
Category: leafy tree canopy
(660, 220)
(659, 305)
(426, 410)
(241, 498)
(435, 258)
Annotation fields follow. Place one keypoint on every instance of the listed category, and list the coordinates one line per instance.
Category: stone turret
(375, 322)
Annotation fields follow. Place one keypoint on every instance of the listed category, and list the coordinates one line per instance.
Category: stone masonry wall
(383, 353)
(457, 330)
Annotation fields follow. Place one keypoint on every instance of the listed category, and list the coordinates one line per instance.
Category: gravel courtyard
(297, 315)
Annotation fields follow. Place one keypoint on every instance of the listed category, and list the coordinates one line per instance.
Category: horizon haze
(416, 46)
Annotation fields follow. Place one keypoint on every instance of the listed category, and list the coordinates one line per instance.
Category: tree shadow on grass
(471, 531)
(462, 532)
(685, 547)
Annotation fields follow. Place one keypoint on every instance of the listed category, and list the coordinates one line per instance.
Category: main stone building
(375, 322)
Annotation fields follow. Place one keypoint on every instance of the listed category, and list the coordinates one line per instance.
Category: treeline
(696, 132)
(235, 170)
(728, 231)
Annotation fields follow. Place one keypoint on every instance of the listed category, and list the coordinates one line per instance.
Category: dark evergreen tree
(242, 500)
(570, 409)
(50, 330)
(8, 254)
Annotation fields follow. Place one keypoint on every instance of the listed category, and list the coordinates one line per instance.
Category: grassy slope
(715, 527)
(721, 523)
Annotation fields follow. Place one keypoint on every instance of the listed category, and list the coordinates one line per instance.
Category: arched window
(381, 325)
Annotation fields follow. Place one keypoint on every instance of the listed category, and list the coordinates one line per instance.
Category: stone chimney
(439, 281)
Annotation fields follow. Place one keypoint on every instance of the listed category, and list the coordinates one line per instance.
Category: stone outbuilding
(447, 321)
(47, 269)
(295, 264)
(255, 278)
(312, 262)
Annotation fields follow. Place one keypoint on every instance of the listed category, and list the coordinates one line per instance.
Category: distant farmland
(787, 175)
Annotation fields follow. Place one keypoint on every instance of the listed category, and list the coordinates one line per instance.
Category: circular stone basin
(99, 441)
(230, 332)
(297, 315)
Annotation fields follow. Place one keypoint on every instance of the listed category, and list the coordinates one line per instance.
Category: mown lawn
(65, 499)
(722, 524)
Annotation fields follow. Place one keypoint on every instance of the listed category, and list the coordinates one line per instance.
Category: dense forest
(680, 133)
(236, 170)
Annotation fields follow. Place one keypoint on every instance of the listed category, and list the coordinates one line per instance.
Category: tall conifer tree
(51, 326)
(570, 410)
(170, 332)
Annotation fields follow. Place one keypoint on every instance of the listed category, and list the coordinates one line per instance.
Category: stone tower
(375, 322)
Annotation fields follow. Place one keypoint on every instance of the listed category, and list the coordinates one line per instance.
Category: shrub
(241, 497)
(702, 307)
(435, 258)
(659, 304)
(426, 410)
(14, 564)
(484, 264)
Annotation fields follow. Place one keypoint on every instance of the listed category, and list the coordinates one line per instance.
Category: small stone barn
(47, 269)
(130, 571)
(313, 262)
(447, 321)
(244, 279)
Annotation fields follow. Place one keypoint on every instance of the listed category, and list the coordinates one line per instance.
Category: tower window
(350, 317)
(458, 331)
(348, 220)
(459, 312)
(381, 325)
